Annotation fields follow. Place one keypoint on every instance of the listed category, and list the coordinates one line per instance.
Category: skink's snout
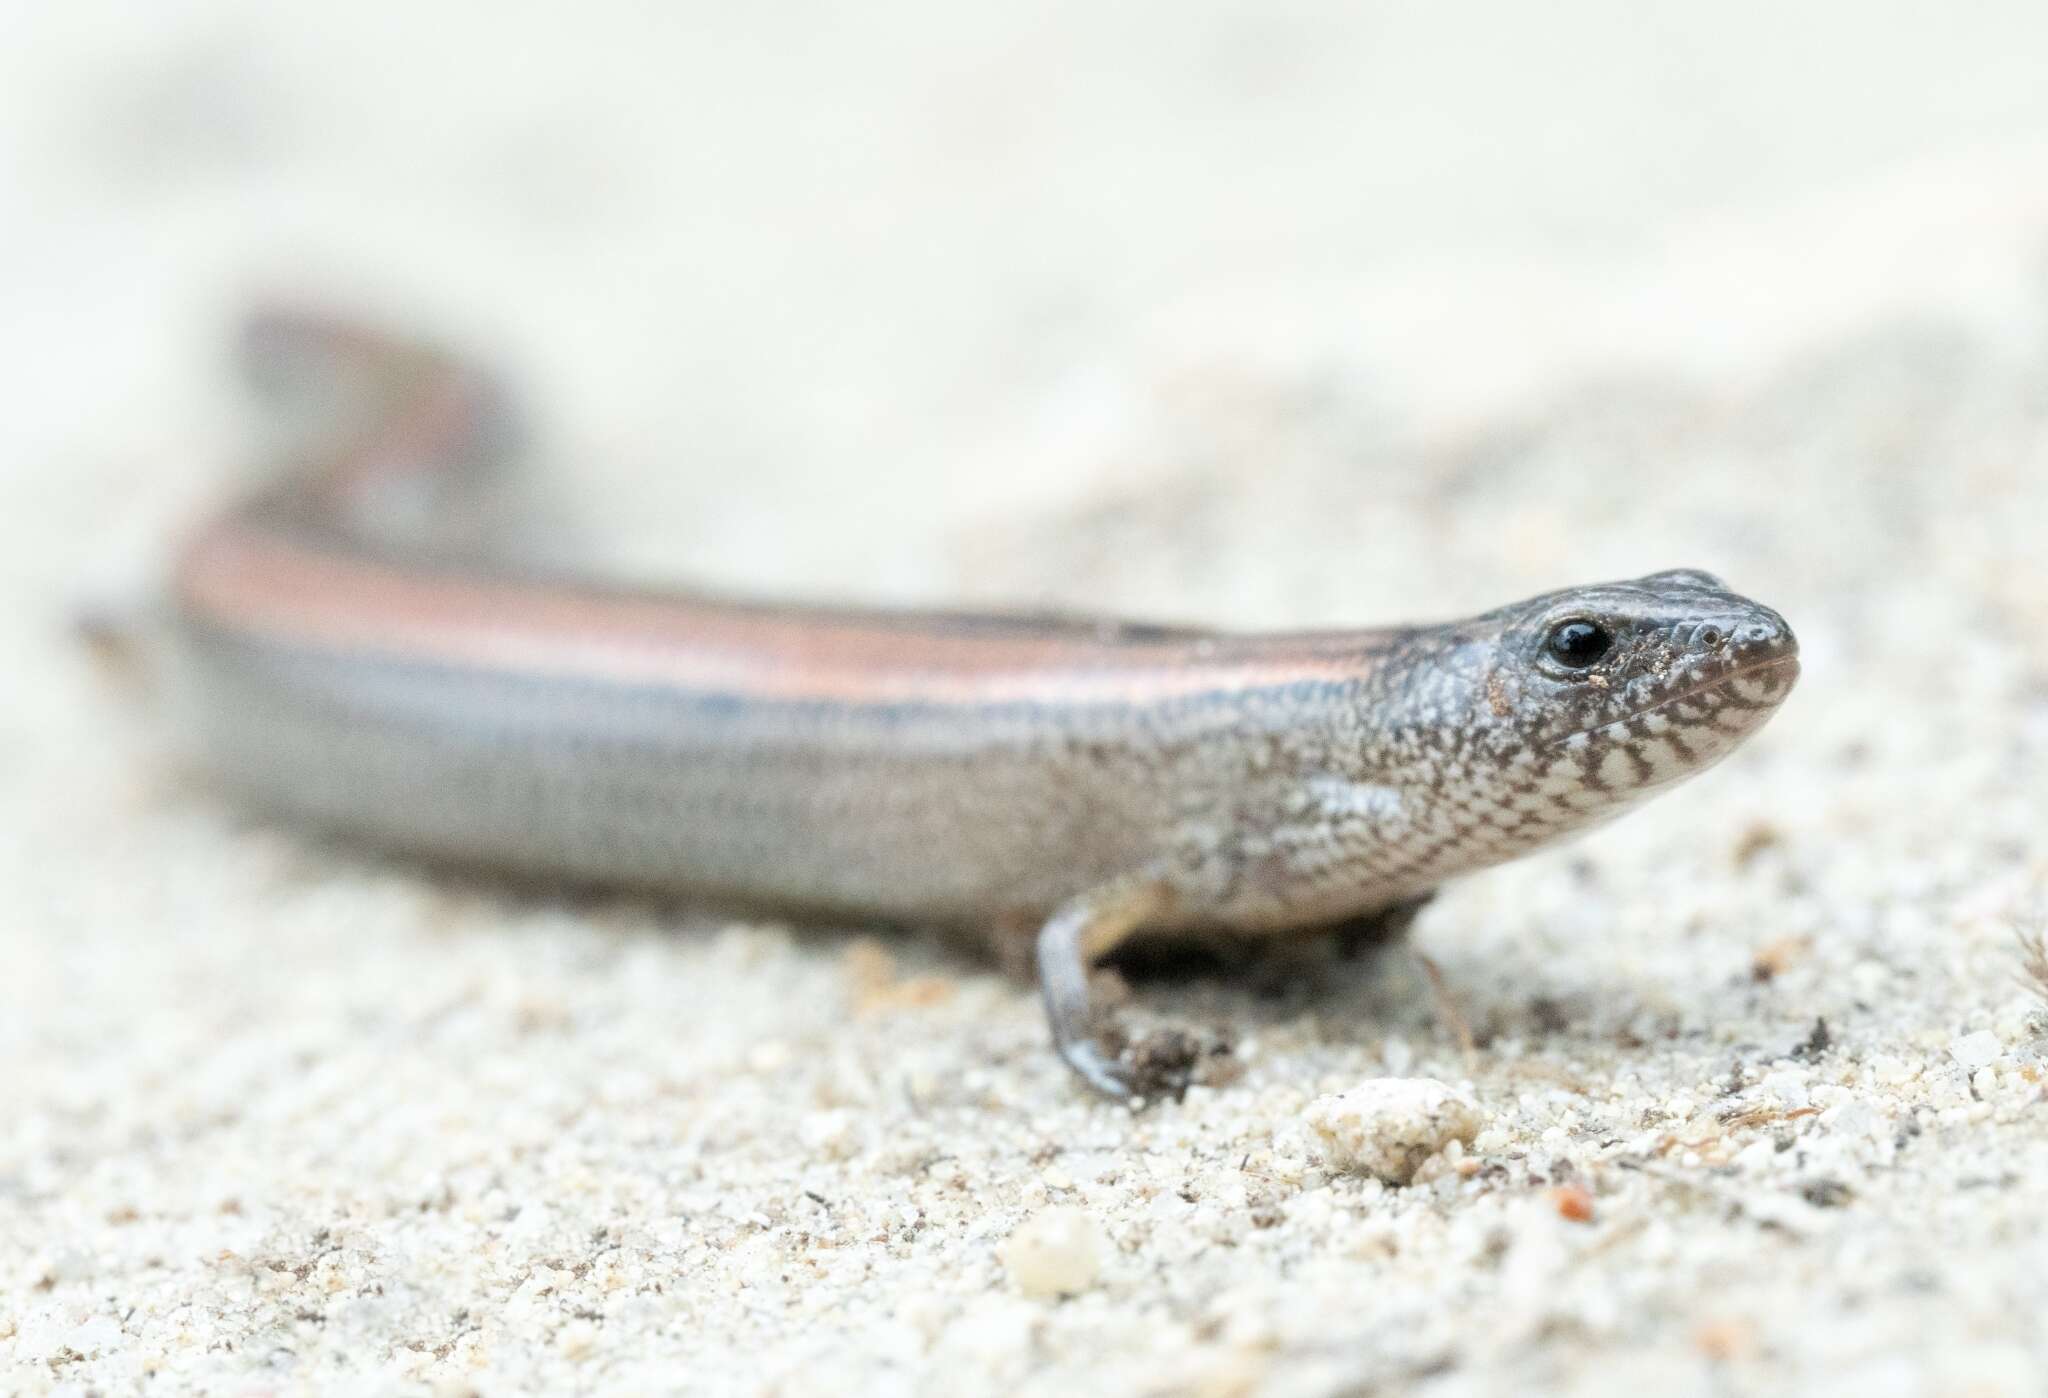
(1755, 632)
(1753, 650)
(1761, 636)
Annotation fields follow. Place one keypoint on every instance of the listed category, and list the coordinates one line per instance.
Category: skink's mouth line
(1740, 672)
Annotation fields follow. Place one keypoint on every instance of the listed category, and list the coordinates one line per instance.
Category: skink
(354, 658)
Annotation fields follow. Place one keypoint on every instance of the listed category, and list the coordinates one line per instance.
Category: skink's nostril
(1757, 632)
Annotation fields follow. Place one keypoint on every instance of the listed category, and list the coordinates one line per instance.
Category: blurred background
(1276, 313)
(766, 270)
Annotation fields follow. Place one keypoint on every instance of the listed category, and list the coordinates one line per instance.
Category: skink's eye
(1577, 644)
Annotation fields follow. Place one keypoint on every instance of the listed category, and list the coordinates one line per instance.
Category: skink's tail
(369, 439)
(388, 441)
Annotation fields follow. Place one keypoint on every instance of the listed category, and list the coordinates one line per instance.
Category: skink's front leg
(1074, 939)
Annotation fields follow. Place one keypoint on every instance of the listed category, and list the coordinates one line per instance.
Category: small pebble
(829, 1135)
(1573, 1203)
(1788, 1087)
(1055, 1252)
(1387, 1127)
(1973, 1051)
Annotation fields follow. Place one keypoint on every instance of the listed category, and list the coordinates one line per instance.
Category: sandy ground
(1273, 314)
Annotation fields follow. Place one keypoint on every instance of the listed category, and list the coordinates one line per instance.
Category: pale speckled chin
(1741, 700)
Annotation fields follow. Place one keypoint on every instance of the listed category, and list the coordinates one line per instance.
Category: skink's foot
(1156, 1067)
(1096, 1067)
(1071, 941)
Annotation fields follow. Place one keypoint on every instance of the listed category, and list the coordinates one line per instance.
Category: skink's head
(1575, 705)
(1638, 684)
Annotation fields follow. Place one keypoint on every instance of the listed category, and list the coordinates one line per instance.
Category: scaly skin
(352, 664)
